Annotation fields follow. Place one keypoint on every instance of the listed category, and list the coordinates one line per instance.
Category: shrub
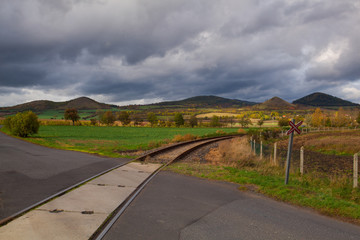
(108, 118)
(179, 119)
(124, 118)
(245, 122)
(22, 124)
(93, 122)
(152, 118)
(242, 131)
(215, 121)
(271, 133)
(193, 121)
(183, 138)
(283, 122)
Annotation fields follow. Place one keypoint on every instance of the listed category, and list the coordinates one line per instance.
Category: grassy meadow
(112, 141)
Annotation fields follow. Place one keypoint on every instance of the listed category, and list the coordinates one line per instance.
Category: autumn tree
(179, 119)
(108, 118)
(358, 118)
(152, 118)
(317, 118)
(260, 122)
(193, 121)
(215, 121)
(283, 122)
(340, 119)
(244, 121)
(72, 114)
(328, 122)
(124, 118)
(274, 115)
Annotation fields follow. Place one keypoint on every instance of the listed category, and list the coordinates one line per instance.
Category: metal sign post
(291, 133)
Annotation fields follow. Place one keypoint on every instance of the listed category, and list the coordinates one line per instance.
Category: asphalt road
(30, 173)
(173, 206)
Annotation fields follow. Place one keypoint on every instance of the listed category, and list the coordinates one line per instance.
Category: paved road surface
(30, 173)
(173, 206)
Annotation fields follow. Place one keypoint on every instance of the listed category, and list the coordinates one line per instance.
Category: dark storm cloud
(134, 49)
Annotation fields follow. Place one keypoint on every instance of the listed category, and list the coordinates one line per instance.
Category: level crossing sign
(294, 127)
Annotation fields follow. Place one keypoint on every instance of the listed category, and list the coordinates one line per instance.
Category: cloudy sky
(141, 51)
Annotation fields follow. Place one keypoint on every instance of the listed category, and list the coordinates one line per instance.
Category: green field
(110, 141)
(59, 114)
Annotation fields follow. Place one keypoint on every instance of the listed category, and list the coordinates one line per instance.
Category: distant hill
(324, 100)
(81, 103)
(274, 104)
(206, 102)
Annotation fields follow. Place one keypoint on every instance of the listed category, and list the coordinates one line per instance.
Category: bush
(93, 122)
(283, 122)
(215, 121)
(22, 124)
(183, 138)
(108, 118)
(271, 133)
(179, 119)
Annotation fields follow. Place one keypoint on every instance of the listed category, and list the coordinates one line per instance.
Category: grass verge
(324, 195)
(330, 194)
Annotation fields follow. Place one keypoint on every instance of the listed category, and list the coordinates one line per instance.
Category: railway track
(163, 157)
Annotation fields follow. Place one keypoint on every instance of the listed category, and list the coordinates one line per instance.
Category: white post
(302, 160)
(356, 170)
(261, 150)
(275, 154)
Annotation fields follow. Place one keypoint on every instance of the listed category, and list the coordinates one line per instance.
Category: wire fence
(312, 161)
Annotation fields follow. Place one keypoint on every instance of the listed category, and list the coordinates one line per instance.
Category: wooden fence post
(251, 143)
(302, 160)
(261, 150)
(356, 170)
(275, 154)
(254, 147)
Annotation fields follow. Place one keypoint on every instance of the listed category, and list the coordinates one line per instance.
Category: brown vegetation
(183, 138)
(341, 143)
(234, 152)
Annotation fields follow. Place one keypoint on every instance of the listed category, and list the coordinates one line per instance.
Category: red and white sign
(294, 127)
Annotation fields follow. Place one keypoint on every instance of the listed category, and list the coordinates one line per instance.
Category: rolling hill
(206, 102)
(324, 100)
(81, 103)
(275, 103)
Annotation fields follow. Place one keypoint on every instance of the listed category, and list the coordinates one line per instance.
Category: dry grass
(235, 152)
(343, 143)
(183, 138)
(218, 114)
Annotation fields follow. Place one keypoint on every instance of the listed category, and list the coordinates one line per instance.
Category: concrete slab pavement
(30, 173)
(78, 213)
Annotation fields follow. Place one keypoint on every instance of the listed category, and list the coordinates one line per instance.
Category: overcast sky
(142, 51)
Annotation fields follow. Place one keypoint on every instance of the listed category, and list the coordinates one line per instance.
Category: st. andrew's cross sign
(294, 127)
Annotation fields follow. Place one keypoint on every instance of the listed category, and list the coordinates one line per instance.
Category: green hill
(323, 100)
(206, 102)
(81, 103)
